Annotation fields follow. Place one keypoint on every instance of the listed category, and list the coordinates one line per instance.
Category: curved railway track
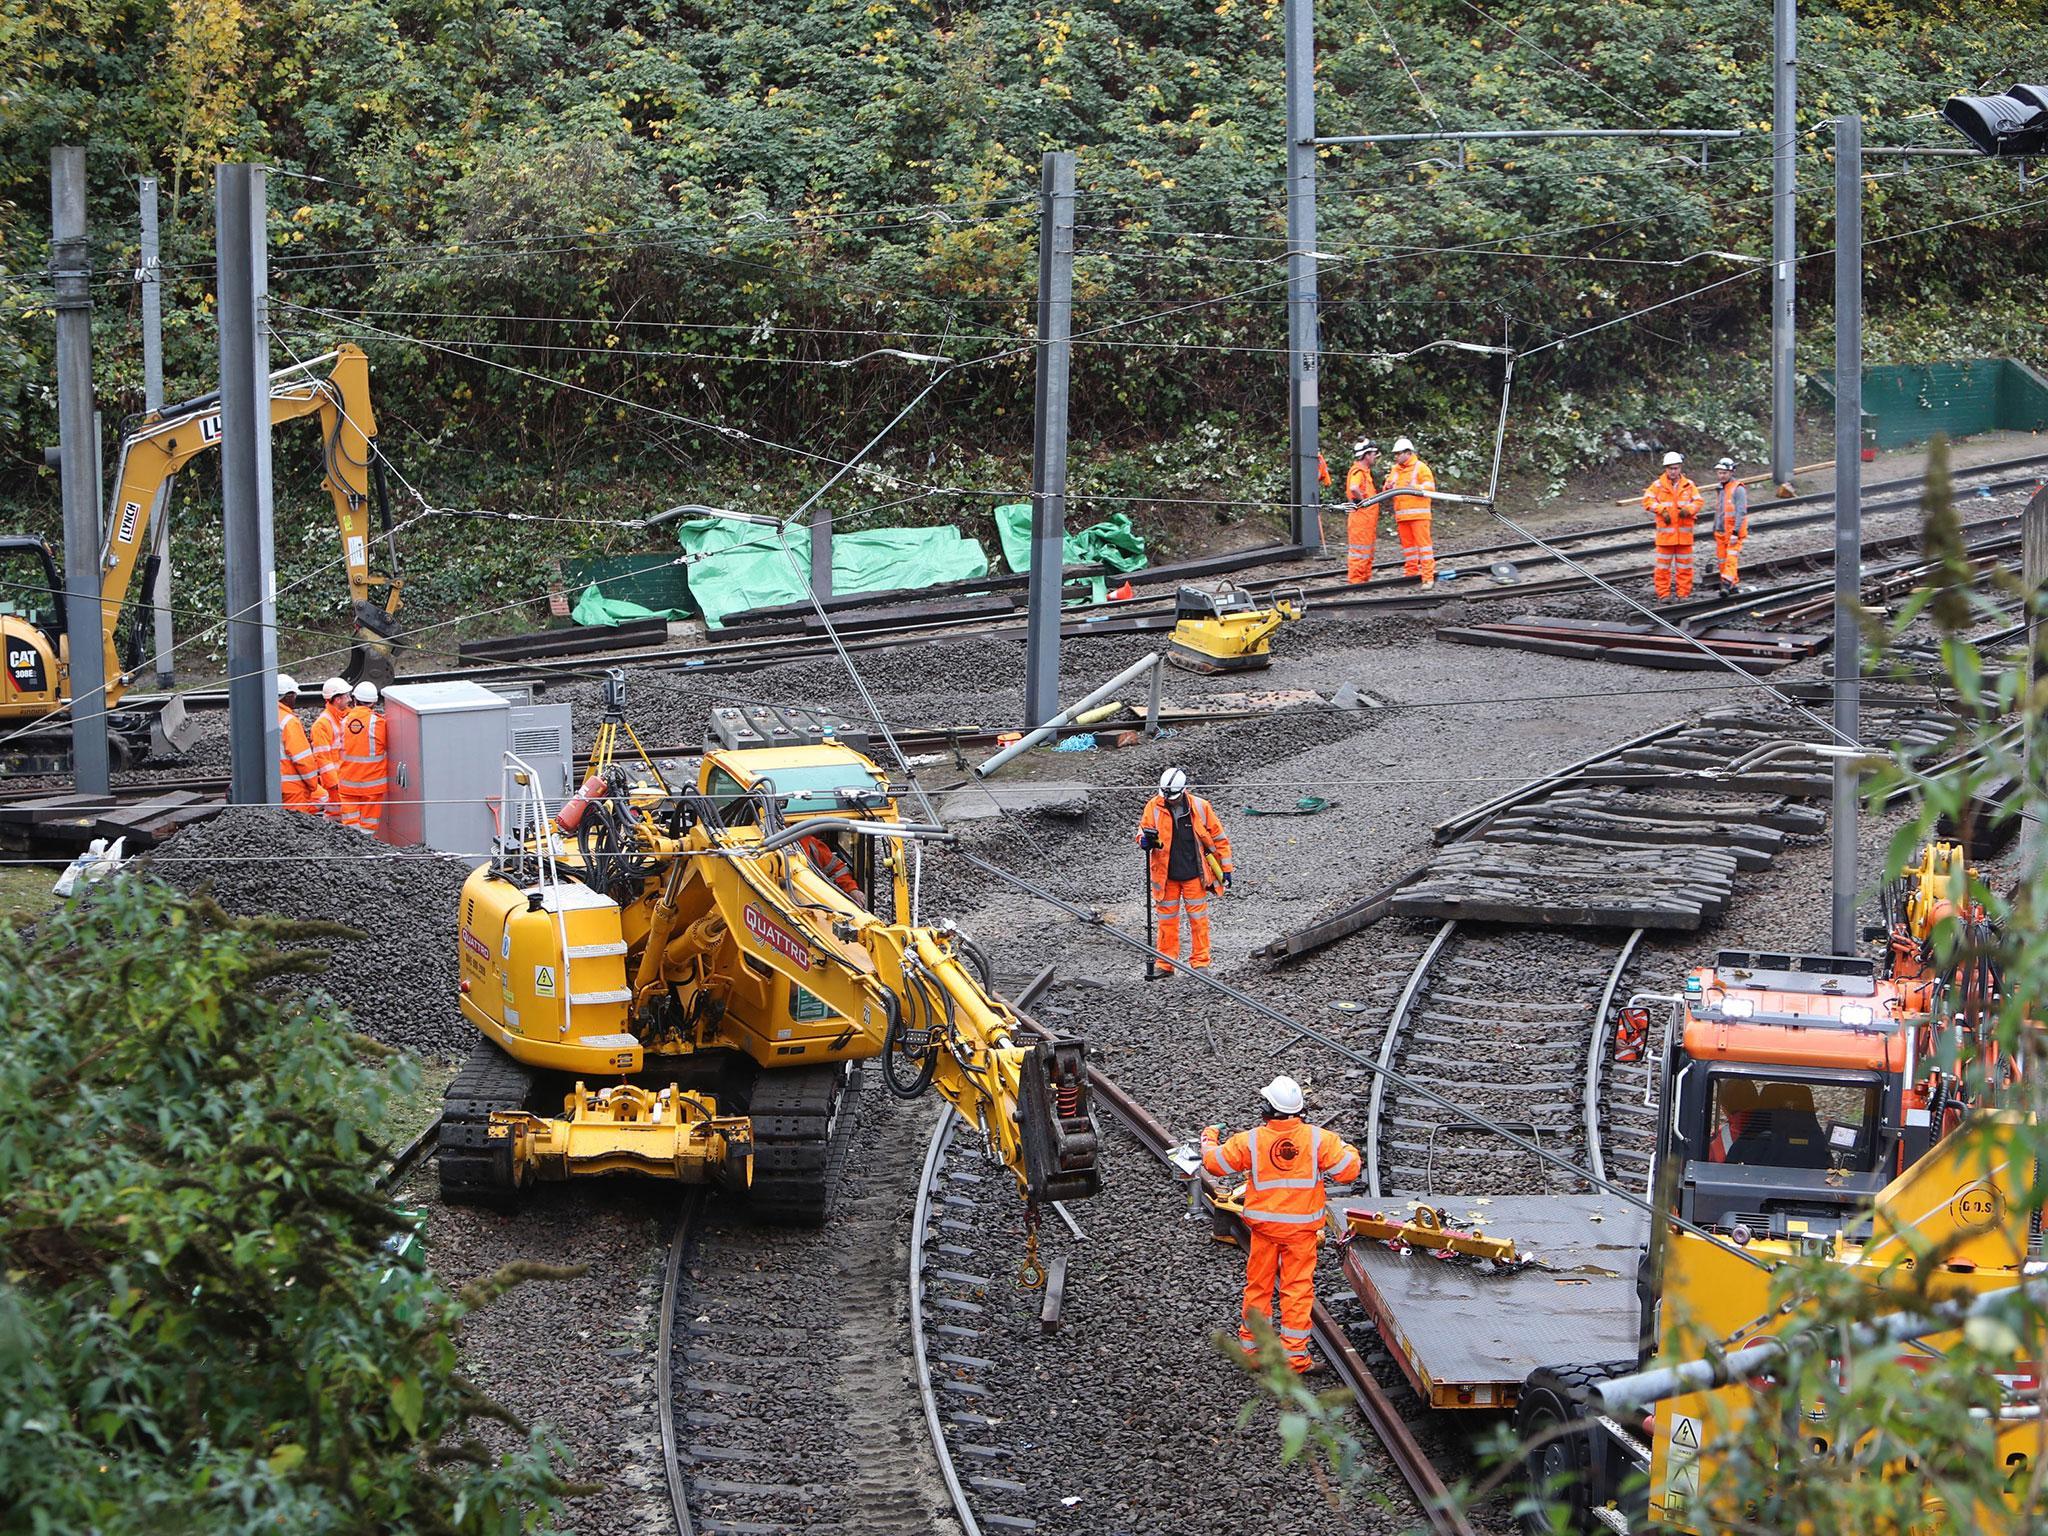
(1514, 1024)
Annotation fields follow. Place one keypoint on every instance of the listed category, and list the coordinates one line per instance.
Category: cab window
(1787, 1123)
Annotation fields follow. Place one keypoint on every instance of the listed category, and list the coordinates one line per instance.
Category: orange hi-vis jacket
(1209, 835)
(1358, 486)
(1286, 1162)
(829, 862)
(327, 743)
(363, 771)
(298, 775)
(1673, 507)
(1413, 476)
(1732, 526)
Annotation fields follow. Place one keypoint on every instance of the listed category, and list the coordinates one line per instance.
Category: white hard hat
(1173, 782)
(366, 692)
(332, 687)
(1284, 1094)
(1364, 446)
(287, 685)
(1402, 445)
(1725, 464)
(1673, 458)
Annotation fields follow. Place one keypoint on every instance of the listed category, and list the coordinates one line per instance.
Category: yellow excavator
(685, 983)
(38, 634)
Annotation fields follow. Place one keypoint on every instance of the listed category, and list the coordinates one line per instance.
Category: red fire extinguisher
(570, 816)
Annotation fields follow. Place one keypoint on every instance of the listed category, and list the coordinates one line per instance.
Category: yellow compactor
(670, 982)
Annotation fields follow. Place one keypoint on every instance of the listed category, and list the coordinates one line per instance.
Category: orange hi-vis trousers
(1418, 553)
(1361, 537)
(1291, 1259)
(1169, 898)
(1673, 569)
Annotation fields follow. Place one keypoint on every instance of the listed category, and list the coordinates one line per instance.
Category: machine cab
(824, 783)
(1783, 1087)
(31, 620)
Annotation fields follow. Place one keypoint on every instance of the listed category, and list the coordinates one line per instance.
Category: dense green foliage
(201, 1328)
(681, 210)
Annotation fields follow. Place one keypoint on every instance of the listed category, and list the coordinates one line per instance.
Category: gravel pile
(399, 982)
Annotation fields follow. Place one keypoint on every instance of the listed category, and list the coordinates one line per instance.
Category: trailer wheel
(1554, 1422)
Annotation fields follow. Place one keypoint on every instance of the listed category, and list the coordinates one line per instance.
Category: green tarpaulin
(1112, 542)
(601, 612)
(742, 565)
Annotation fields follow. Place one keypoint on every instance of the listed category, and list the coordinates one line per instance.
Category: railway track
(1510, 1023)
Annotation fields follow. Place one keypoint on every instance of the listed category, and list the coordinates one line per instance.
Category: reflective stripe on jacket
(326, 740)
(1413, 476)
(362, 770)
(1673, 508)
(829, 862)
(1732, 526)
(1286, 1161)
(1208, 833)
(298, 774)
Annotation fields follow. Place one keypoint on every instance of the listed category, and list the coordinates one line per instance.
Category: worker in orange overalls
(364, 771)
(1189, 859)
(326, 738)
(1411, 512)
(1362, 524)
(1673, 502)
(1286, 1160)
(298, 776)
(1731, 526)
(830, 863)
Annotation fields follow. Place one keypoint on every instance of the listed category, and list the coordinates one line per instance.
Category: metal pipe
(1848, 513)
(149, 277)
(1049, 436)
(1304, 341)
(1784, 236)
(1032, 738)
(70, 275)
(1477, 134)
(1625, 1394)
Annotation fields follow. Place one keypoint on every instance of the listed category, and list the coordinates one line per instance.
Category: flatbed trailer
(1466, 1333)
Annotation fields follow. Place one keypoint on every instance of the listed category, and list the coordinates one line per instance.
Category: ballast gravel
(398, 981)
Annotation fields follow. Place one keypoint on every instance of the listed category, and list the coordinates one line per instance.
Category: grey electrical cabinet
(448, 745)
(541, 739)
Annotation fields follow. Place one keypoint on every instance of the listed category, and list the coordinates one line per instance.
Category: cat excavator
(685, 982)
(38, 634)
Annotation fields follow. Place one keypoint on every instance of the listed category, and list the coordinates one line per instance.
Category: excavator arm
(154, 452)
(912, 992)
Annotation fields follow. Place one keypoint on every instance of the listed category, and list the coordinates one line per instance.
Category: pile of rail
(1642, 645)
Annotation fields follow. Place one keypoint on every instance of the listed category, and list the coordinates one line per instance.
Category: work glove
(1226, 879)
(1148, 839)
(1212, 1132)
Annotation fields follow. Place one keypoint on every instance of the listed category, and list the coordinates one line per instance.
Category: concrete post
(242, 284)
(1304, 342)
(1049, 436)
(149, 274)
(70, 275)
(1848, 512)
(1784, 234)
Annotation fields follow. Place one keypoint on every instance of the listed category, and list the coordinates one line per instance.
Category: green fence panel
(651, 580)
(1910, 402)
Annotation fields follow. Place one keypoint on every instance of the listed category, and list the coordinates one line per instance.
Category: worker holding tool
(298, 776)
(364, 770)
(1286, 1160)
(1672, 501)
(1413, 480)
(326, 738)
(1362, 524)
(1188, 858)
(1731, 527)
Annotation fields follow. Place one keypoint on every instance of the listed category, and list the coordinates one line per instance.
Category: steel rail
(689, 1210)
(1596, 1054)
(411, 1155)
(1397, 1021)
(920, 1350)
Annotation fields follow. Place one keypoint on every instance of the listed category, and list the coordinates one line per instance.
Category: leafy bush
(202, 1327)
